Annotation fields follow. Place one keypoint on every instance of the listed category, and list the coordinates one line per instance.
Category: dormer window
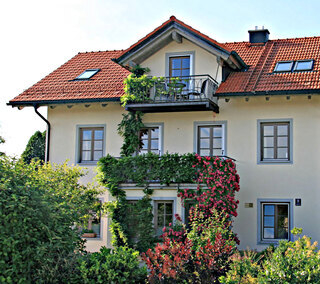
(284, 66)
(86, 75)
(303, 65)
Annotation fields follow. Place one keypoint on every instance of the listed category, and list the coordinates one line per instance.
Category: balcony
(168, 94)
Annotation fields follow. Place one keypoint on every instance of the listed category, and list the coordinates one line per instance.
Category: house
(256, 101)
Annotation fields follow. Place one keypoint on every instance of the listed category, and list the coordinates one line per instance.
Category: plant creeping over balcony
(216, 181)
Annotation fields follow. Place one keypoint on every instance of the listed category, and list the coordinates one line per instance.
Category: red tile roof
(108, 83)
(174, 19)
(262, 60)
(58, 86)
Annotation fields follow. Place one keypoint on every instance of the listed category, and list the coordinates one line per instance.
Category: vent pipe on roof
(258, 36)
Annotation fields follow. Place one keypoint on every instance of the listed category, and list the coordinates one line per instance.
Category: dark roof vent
(259, 36)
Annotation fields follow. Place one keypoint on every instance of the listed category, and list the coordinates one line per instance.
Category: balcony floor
(153, 107)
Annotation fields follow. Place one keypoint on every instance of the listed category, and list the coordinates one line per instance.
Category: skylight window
(303, 65)
(285, 66)
(87, 74)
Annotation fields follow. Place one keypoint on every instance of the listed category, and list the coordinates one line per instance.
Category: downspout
(48, 132)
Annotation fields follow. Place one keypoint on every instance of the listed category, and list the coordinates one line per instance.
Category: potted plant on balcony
(88, 233)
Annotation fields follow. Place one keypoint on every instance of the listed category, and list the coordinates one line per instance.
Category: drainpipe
(48, 132)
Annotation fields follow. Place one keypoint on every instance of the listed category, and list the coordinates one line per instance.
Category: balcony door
(179, 66)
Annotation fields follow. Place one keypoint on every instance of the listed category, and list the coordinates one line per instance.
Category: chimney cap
(259, 30)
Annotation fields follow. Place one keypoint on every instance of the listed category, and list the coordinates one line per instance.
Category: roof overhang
(57, 102)
(174, 31)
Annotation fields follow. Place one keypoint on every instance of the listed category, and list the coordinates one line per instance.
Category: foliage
(120, 265)
(219, 175)
(35, 148)
(129, 129)
(139, 88)
(291, 262)
(1, 141)
(39, 207)
(200, 256)
(138, 71)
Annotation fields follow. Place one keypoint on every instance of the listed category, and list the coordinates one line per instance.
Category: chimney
(258, 36)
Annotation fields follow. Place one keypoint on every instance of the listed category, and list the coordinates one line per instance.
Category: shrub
(39, 206)
(35, 148)
(120, 265)
(201, 256)
(290, 262)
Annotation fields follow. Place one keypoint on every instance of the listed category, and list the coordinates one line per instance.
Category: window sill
(272, 162)
(93, 239)
(271, 242)
(93, 163)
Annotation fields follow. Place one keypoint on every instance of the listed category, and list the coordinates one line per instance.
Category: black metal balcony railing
(194, 88)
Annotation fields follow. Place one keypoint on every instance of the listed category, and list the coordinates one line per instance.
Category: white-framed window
(210, 138)
(275, 220)
(90, 143)
(275, 141)
(180, 64)
(151, 139)
(163, 215)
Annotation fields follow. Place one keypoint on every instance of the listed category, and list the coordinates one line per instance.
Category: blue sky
(39, 35)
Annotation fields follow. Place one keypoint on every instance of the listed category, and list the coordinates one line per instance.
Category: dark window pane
(169, 208)
(160, 220)
(283, 210)
(160, 208)
(269, 210)
(282, 233)
(168, 220)
(86, 135)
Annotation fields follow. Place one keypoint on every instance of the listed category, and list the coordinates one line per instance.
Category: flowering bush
(198, 256)
(290, 262)
(217, 181)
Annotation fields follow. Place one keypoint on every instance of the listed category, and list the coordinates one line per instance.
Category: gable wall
(204, 62)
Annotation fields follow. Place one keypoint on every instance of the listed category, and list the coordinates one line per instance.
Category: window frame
(155, 212)
(88, 78)
(304, 60)
(260, 216)
(78, 154)
(281, 71)
(160, 125)
(198, 124)
(191, 54)
(260, 123)
(100, 236)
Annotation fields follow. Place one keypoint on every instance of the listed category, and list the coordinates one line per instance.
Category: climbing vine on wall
(216, 182)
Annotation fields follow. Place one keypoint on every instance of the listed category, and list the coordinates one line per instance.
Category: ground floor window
(275, 221)
(163, 215)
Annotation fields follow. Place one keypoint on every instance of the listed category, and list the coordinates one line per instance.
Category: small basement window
(303, 65)
(285, 66)
(87, 74)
